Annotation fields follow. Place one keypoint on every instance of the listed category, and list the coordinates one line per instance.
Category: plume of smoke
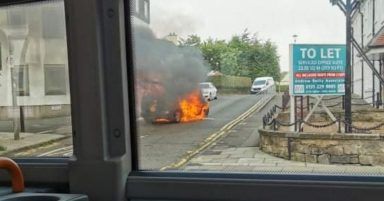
(176, 22)
(164, 69)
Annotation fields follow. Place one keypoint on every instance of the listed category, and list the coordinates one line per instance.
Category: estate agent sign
(317, 69)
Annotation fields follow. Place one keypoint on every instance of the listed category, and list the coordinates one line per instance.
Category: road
(162, 144)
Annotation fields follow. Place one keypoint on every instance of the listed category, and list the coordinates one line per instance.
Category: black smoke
(164, 68)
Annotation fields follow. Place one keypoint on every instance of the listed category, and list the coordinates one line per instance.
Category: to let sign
(317, 69)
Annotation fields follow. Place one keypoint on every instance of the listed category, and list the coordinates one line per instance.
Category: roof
(378, 40)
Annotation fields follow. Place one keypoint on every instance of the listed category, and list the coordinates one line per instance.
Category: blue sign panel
(317, 69)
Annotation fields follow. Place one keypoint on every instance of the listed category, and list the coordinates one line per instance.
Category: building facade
(368, 31)
(34, 78)
(34, 61)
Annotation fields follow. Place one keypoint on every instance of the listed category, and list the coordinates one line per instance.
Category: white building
(34, 58)
(141, 12)
(34, 61)
(368, 30)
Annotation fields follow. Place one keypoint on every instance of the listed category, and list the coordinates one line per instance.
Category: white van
(261, 83)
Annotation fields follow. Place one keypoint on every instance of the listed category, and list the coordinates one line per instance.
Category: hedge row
(231, 82)
(283, 88)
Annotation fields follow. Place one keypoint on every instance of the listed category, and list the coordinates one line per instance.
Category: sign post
(317, 70)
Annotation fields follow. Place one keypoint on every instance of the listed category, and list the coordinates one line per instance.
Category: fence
(270, 119)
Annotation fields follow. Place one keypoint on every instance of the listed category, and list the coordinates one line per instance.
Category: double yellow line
(217, 135)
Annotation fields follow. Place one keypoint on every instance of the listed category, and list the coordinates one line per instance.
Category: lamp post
(295, 38)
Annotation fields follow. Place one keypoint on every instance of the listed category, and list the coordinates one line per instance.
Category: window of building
(53, 21)
(20, 79)
(55, 79)
(16, 16)
(146, 9)
(137, 6)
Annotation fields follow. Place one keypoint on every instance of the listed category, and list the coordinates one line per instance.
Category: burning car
(159, 109)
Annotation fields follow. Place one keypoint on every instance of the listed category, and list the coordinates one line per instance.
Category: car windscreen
(259, 82)
(204, 86)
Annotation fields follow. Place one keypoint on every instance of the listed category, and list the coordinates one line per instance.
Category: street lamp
(294, 38)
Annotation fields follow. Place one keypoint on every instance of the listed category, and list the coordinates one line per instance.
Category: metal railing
(273, 123)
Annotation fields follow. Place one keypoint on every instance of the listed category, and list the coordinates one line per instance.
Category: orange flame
(193, 107)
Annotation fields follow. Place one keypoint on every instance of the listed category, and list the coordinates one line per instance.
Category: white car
(261, 84)
(208, 90)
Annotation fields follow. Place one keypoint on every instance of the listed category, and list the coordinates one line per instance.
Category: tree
(242, 55)
(212, 52)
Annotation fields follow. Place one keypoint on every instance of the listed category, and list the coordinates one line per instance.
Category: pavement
(234, 154)
(27, 141)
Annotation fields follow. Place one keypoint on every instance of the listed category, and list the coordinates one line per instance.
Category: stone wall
(333, 148)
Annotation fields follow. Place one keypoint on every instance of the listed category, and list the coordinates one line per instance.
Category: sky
(313, 21)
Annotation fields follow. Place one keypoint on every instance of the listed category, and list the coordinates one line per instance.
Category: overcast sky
(314, 21)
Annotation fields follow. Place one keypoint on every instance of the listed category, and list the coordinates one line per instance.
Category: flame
(193, 107)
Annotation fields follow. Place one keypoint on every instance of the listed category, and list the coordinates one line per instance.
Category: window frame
(45, 172)
(104, 65)
(159, 185)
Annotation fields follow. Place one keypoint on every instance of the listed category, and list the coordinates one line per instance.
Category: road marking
(57, 151)
(53, 130)
(218, 135)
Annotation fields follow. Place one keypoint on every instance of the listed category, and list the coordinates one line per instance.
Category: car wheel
(177, 117)
(206, 112)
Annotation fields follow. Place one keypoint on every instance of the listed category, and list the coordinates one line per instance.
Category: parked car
(165, 109)
(261, 84)
(208, 90)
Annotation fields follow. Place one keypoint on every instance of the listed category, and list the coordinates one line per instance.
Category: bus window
(186, 43)
(35, 106)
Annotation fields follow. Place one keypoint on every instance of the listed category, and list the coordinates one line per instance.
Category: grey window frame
(101, 73)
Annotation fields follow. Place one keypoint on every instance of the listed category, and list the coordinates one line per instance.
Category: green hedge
(238, 90)
(230, 82)
(283, 88)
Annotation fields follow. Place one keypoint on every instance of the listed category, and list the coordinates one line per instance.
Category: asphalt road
(162, 144)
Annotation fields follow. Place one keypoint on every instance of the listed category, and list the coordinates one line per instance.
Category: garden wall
(325, 148)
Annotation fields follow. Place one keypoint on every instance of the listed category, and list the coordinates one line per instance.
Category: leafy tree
(242, 55)
(212, 52)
